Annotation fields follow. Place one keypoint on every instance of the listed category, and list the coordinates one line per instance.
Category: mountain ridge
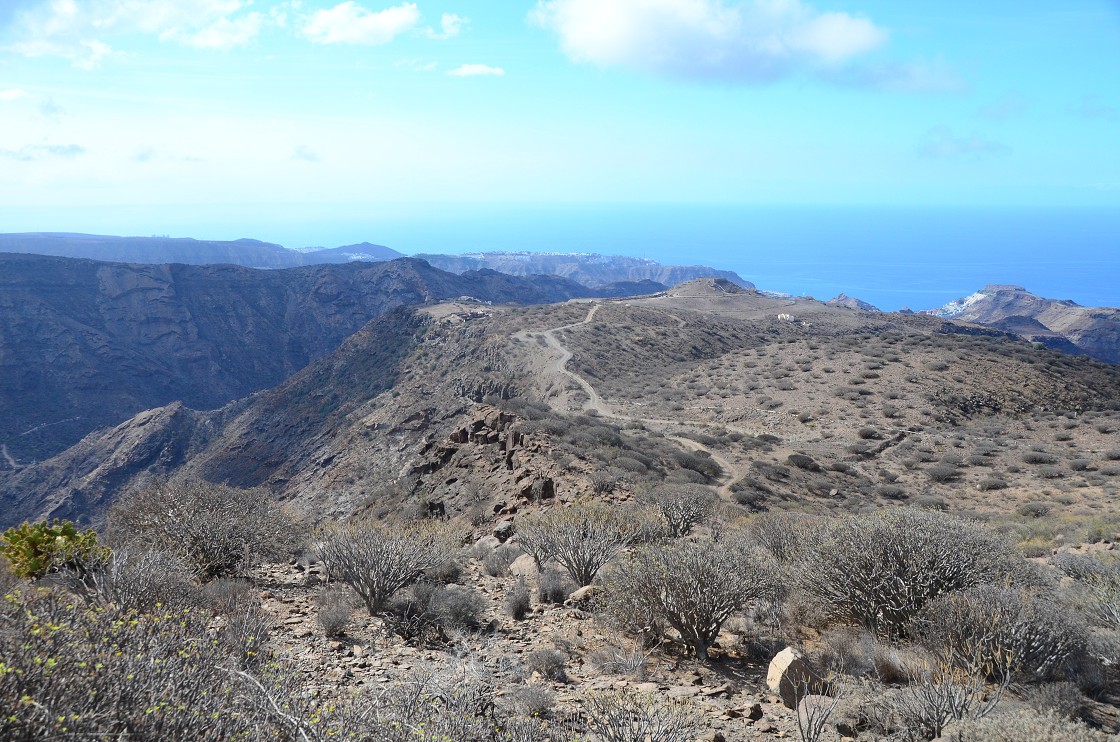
(1061, 324)
(85, 344)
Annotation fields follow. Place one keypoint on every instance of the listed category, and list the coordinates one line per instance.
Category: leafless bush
(531, 700)
(517, 601)
(220, 531)
(554, 586)
(1033, 509)
(693, 587)
(377, 559)
(1039, 457)
(1063, 699)
(603, 483)
(787, 536)
(620, 657)
(583, 538)
(942, 472)
(859, 653)
(996, 631)
(549, 663)
(936, 697)
(334, 611)
(682, 506)
(626, 716)
(991, 483)
(1099, 587)
(8, 579)
(137, 578)
(880, 570)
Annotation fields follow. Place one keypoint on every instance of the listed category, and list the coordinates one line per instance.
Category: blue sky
(228, 118)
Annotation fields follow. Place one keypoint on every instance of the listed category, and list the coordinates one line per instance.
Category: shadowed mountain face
(85, 344)
(1062, 325)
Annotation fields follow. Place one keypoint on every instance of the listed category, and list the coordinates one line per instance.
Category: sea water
(892, 257)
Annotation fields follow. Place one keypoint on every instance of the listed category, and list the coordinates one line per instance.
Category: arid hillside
(777, 403)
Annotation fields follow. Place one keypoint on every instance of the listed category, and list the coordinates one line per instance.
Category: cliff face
(85, 344)
(1062, 325)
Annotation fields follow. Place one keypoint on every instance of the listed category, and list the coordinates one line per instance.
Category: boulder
(791, 677)
(488, 542)
(524, 566)
(504, 531)
(583, 597)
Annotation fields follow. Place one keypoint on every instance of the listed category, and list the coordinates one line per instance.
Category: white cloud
(350, 23)
(74, 30)
(476, 70)
(35, 152)
(943, 144)
(915, 76)
(226, 33)
(450, 26)
(7, 96)
(750, 41)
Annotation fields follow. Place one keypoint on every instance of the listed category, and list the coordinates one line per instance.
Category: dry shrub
(682, 506)
(880, 570)
(517, 601)
(138, 578)
(496, 562)
(549, 663)
(377, 559)
(85, 673)
(583, 538)
(996, 631)
(787, 536)
(692, 587)
(334, 609)
(626, 716)
(220, 531)
(1026, 726)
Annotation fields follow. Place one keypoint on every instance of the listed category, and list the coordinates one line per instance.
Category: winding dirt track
(8, 457)
(731, 473)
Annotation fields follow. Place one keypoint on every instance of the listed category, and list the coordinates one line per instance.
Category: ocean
(892, 257)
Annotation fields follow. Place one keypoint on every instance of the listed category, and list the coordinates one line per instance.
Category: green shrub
(35, 550)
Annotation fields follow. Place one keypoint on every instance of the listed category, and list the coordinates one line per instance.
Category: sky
(308, 121)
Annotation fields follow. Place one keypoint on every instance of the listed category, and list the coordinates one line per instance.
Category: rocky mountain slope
(1062, 325)
(851, 302)
(249, 253)
(775, 403)
(585, 268)
(85, 344)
